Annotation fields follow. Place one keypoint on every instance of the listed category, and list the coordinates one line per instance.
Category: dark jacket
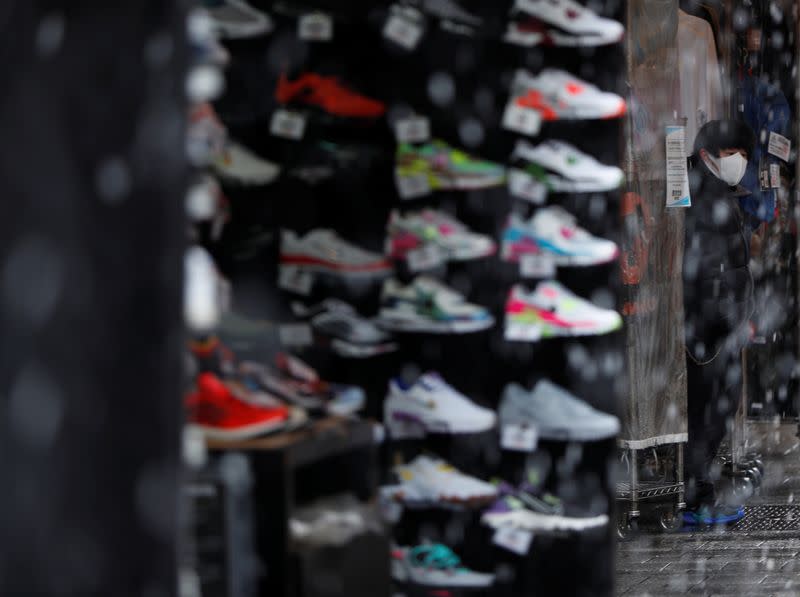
(717, 282)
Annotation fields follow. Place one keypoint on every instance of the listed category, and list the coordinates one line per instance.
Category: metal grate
(770, 518)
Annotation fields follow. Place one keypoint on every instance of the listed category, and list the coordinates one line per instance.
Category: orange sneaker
(329, 95)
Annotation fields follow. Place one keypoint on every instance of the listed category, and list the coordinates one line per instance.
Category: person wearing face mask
(717, 307)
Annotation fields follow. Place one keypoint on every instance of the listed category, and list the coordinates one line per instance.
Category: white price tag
(523, 332)
(410, 187)
(537, 266)
(295, 279)
(402, 31)
(523, 185)
(521, 438)
(513, 539)
(677, 171)
(522, 120)
(316, 26)
(289, 125)
(426, 257)
(296, 334)
(775, 176)
(779, 146)
(416, 129)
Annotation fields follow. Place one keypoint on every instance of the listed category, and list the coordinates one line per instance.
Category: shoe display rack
(407, 215)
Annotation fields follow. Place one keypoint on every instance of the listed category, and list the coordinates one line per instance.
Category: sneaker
(432, 405)
(557, 95)
(561, 168)
(552, 231)
(235, 19)
(206, 136)
(427, 305)
(294, 381)
(454, 16)
(327, 94)
(429, 481)
(348, 334)
(324, 251)
(452, 239)
(551, 310)
(447, 168)
(222, 411)
(560, 23)
(708, 516)
(240, 165)
(521, 509)
(434, 565)
(555, 413)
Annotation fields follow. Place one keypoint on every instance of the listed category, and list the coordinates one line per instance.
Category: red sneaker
(215, 407)
(329, 95)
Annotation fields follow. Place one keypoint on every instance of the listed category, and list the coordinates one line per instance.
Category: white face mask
(729, 169)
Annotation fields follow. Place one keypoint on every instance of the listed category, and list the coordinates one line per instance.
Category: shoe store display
(560, 23)
(451, 239)
(555, 413)
(431, 405)
(551, 310)
(428, 306)
(328, 95)
(324, 251)
(435, 565)
(557, 95)
(561, 168)
(447, 168)
(236, 19)
(338, 325)
(553, 232)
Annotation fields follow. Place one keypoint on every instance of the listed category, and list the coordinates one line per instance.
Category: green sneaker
(447, 168)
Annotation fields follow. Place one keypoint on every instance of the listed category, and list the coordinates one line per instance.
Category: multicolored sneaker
(562, 168)
(324, 251)
(427, 481)
(428, 306)
(560, 23)
(553, 232)
(551, 310)
(558, 95)
(327, 94)
(447, 168)
(429, 227)
(435, 565)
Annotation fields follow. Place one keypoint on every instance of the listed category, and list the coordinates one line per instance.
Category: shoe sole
(241, 433)
(304, 264)
(534, 521)
(402, 424)
(532, 331)
(559, 260)
(387, 321)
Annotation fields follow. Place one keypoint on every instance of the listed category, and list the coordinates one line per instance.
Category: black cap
(724, 134)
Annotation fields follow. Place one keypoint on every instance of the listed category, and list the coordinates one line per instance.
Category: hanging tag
(523, 185)
(775, 176)
(779, 146)
(295, 279)
(403, 31)
(416, 129)
(516, 332)
(426, 257)
(410, 187)
(537, 266)
(520, 438)
(289, 125)
(677, 171)
(513, 539)
(522, 120)
(316, 26)
(295, 334)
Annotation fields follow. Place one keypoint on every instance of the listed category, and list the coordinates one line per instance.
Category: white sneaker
(427, 305)
(239, 164)
(431, 405)
(561, 23)
(563, 168)
(235, 19)
(322, 250)
(553, 232)
(453, 240)
(428, 481)
(434, 565)
(551, 310)
(558, 95)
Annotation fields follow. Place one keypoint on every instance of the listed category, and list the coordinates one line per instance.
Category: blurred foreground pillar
(91, 244)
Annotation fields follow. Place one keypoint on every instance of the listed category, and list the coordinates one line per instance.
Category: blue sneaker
(706, 516)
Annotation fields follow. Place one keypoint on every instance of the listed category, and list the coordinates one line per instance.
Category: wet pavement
(760, 555)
